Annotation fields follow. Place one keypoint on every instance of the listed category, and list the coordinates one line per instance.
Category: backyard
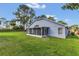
(18, 44)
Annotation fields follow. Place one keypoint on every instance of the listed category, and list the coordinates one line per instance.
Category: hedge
(10, 30)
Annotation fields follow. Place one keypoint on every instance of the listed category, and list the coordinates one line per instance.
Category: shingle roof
(49, 21)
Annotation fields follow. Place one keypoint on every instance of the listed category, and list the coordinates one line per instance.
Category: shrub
(12, 23)
(6, 30)
(72, 35)
(18, 28)
(21, 27)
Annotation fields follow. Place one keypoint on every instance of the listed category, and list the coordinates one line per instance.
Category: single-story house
(2, 24)
(45, 27)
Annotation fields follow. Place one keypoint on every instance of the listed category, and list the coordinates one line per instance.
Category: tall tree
(51, 18)
(71, 6)
(24, 13)
(62, 22)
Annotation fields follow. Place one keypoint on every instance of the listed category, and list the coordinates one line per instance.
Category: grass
(19, 44)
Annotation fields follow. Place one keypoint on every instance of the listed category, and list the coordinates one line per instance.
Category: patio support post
(44, 31)
(32, 30)
(36, 31)
(41, 31)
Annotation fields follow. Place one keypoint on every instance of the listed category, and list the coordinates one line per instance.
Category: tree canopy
(43, 16)
(62, 22)
(71, 6)
(12, 23)
(24, 13)
(51, 18)
(73, 28)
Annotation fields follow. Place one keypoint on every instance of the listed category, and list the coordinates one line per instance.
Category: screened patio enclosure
(41, 31)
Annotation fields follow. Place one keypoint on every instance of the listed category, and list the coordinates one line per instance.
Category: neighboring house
(45, 27)
(2, 24)
(17, 22)
(8, 26)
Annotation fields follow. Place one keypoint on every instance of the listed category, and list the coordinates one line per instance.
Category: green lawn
(18, 43)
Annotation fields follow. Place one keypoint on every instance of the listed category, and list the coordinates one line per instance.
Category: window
(60, 30)
(0, 22)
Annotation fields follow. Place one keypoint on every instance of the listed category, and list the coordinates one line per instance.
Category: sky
(48, 9)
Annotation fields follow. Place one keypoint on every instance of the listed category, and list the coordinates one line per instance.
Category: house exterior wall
(53, 28)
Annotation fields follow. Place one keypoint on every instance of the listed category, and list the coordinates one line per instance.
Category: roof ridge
(47, 20)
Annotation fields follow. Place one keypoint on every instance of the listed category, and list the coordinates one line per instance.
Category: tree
(24, 14)
(43, 16)
(74, 28)
(12, 23)
(62, 22)
(40, 17)
(51, 18)
(71, 6)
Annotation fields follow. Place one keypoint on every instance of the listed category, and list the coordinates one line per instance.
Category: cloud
(67, 20)
(36, 5)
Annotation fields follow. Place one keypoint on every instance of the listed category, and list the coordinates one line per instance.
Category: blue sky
(52, 9)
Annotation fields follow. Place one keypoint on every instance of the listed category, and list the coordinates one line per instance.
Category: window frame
(60, 30)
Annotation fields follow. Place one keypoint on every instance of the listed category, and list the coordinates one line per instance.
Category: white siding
(53, 28)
